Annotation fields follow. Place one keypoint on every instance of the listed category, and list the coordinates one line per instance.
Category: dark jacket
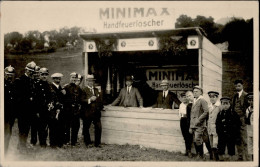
(43, 97)
(57, 101)
(10, 101)
(134, 98)
(92, 109)
(242, 104)
(228, 124)
(167, 102)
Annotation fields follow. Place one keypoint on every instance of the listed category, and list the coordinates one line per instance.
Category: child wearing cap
(249, 122)
(227, 128)
(214, 109)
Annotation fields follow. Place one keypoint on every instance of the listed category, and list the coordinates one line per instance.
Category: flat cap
(90, 77)
(238, 81)
(197, 87)
(225, 99)
(57, 75)
(44, 70)
(164, 82)
(74, 74)
(129, 78)
(213, 92)
(250, 95)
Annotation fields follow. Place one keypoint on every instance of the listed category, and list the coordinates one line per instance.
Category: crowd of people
(49, 109)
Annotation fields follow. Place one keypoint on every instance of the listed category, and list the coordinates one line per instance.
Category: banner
(179, 79)
(118, 19)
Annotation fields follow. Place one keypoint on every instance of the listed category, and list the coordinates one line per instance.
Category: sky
(47, 15)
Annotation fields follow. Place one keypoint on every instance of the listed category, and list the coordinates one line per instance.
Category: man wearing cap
(184, 124)
(214, 109)
(239, 106)
(129, 96)
(91, 112)
(72, 106)
(35, 120)
(199, 114)
(9, 104)
(227, 128)
(250, 123)
(55, 108)
(79, 80)
(166, 99)
(26, 98)
(43, 98)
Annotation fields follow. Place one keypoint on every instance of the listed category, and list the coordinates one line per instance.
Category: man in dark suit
(26, 98)
(56, 128)
(9, 104)
(91, 111)
(239, 106)
(129, 96)
(166, 99)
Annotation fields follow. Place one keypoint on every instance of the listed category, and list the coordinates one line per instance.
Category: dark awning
(143, 34)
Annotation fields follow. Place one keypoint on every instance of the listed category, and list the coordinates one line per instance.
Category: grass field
(108, 152)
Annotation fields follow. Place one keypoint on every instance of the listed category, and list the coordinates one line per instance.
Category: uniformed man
(239, 106)
(79, 79)
(56, 127)
(227, 128)
(91, 112)
(26, 96)
(43, 98)
(72, 106)
(214, 109)
(199, 114)
(9, 105)
(35, 120)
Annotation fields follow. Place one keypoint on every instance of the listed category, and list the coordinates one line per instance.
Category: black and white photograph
(129, 83)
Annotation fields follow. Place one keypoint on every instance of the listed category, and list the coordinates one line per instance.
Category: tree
(184, 21)
(13, 39)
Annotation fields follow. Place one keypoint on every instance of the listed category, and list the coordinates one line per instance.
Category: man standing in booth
(166, 99)
(91, 112)
(129, 95)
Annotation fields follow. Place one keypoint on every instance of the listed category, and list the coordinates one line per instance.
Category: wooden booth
(183, 56)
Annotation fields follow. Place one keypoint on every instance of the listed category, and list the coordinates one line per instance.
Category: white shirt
(165, 93)
(129, 89)
(57, 86)
(182, 109)
(240, 93)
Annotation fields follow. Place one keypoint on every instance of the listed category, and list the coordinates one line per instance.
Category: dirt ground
(108, 152)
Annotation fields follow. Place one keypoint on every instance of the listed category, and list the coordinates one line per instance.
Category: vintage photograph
(129, 81)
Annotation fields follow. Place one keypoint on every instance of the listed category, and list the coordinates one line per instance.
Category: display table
(147, 127)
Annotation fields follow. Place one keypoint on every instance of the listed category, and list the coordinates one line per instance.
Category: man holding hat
(26, 99)
(9, 104)
(227, 128)
(214, 109)
(129, 96)
(239, 106)
(199, 114)
(72, 106)
(43, 98)
(91, 111)
(55, 108)
(250, 123)
(166, 99)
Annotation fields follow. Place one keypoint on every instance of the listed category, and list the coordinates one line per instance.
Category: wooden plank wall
(153, 128)
(211, 67)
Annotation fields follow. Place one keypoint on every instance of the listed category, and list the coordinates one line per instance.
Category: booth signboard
(137, 44)
(125, 19)
(179, 79)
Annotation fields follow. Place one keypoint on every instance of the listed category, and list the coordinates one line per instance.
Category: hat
(226, 99)
(37, 68)
(31, 66)
(90, 77)
(250, 95)
(213, 92)
(238, 81)
(198, 87)
(74, 74)
(9, 70)
(57, 75)
(129, 78)
(164, 82)
(44, 71)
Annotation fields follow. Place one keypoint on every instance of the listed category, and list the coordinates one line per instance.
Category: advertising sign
(180, 79)
(125, 19)
(137, 44)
